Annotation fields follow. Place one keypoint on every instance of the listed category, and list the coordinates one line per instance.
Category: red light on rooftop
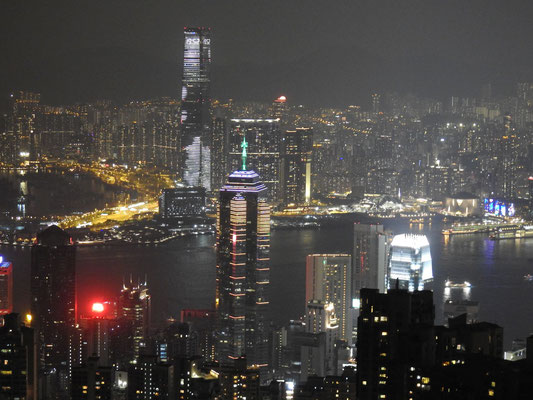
(281, 99)
(98, 308)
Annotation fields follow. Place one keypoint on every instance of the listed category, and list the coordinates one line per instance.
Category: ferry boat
(463, 285)
(528, 278)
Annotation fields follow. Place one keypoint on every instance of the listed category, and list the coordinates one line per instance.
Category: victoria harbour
(182, 272)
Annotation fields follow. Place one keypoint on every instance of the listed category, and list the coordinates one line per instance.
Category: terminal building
(410, 265)
(182, 202)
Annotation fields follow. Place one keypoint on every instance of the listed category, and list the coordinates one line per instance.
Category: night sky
(316, 52)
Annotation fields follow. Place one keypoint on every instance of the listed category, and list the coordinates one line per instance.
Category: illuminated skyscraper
(243, 268)
(296, 166)
(329, 279)
(6, 287)
(53, 299)
(410, 262)
(264, 146)
(195, 107)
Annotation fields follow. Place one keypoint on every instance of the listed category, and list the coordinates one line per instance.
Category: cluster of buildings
(402, 146)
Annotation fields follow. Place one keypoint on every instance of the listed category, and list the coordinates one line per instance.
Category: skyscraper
(53, 295)
(264, 146)
(370, 253)
(329, 279)
(243, 268)
(195, 107)
(6, 287)
(297, 150)
(134, 306)
(410, 262)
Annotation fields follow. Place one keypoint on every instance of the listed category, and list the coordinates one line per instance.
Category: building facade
(243, 269)
(297, 151)
(53, 295)
(410, 265)
(329, 279)
(195, 116)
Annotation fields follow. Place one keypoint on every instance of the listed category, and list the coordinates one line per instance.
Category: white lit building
(410, 262)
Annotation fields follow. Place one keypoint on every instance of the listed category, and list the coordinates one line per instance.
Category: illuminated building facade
(329, 279)
(410, 262)
(296, 166)
(243, 269)
(195, 117)
(264, 145)
(92, 381)
(19, 143)
(182, 202)
(6, 287)
(134, 306)
(53, 305)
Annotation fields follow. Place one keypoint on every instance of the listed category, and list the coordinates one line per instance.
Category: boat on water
(458, 285)
(528, 278)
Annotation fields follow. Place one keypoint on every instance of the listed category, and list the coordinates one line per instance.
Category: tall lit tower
(243, 267)
(195, 107)
(53, 300)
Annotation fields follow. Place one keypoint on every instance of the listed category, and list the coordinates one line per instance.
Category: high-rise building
(239, 381)
(329, 279)
(297, 153)
(134, 306)
(243, 268)
(53, 305)
(91, 381)
(148, 379)
(195, 107)
(263, 137)
(6, 287)
(318, 356)
(279, 108)
(370, 254)
(182, 202)
(219, 153)
(96, 330)
(395, 340)
(18, 363)
(410, 265)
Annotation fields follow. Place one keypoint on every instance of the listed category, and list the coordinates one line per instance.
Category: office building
(297, 151)
(18, 361)
(195, 117)
(243, 268)
(182, 202)
(263, 138)
(370, 256)
(219, 153)
(134, 307)
(96, 331)
(410, 265)
(202, 323)
(53, 306)
(395, 342)
(238, 381)
(91, 381)
(6, 287)
(318, 353)
(329, 279)
(148, 379)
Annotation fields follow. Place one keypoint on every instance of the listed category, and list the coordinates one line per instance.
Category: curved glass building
(410, 262)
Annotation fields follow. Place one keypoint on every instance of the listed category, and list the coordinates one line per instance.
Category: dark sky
(317, 52)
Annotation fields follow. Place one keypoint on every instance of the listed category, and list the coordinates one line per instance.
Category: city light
(98, 308)
(29, 318)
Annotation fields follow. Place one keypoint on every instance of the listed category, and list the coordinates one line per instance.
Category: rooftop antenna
(244, 146)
